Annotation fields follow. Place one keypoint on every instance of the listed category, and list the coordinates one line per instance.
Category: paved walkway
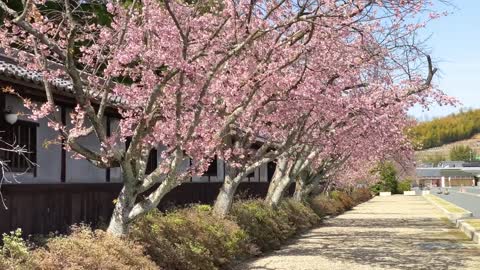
(397, 232)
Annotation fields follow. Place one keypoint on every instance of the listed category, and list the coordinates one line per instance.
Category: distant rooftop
(448, 172)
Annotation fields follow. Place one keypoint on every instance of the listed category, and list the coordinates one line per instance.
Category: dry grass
(87, 249)
(450, 207)
(475, 223)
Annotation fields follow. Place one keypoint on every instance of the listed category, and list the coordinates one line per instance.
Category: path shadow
(414, 244)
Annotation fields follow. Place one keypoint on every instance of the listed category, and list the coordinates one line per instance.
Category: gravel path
(397, 232)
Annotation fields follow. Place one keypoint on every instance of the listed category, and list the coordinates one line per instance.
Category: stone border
(460, 220)
(469, 230)
(452, 216)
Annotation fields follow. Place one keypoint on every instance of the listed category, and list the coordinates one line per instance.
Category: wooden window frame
(152, 160)
(31, 146)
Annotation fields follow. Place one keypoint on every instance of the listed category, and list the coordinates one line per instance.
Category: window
(152, 161)
(212, 168)
(271, 166)
(21, 134)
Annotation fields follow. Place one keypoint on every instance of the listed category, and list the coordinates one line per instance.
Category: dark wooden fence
(44, 208)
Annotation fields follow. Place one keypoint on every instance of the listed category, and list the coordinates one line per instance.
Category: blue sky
(455, 46)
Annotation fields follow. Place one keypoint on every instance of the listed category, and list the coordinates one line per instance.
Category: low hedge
(338, 202)
(361, 195)
(87, 249)
(268, 228)
(189, 238)
(81, 249)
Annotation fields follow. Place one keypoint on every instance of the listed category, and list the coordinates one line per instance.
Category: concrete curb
(453, 217)
(469, 230)
(460, 221)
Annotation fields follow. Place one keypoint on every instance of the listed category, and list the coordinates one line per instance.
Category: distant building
(447, 176)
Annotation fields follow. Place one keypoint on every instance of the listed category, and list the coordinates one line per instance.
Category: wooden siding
(44, 208)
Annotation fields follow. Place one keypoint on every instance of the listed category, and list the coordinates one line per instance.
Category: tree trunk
(120, 221)
(277, 190)
(277, 184)
(301, 190)
(225, 197)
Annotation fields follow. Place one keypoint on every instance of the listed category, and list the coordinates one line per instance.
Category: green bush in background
(404, 185)
(462, 153)
(388, 178)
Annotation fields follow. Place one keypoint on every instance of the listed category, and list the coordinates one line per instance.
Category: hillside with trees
(446, 130)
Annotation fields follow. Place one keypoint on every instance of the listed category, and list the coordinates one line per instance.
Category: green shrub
(361, 195)
(191, 238)
(338, 201)
(404, 185)
(324, 205)
(299, 215)
(14, 246)
(87, 249)
(15, 254)
(266, 227)
(344, 198)
(388, 181)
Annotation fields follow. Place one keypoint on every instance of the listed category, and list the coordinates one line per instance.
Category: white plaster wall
(115, 173)
(81, 170)
(48, 157)
(220, 170)
(263, 173)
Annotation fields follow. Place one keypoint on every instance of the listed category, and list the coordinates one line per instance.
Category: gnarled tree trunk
(280, 181)
(302, 189)
(277, 193)
(128, 206)
(120, 221)
(225, 197)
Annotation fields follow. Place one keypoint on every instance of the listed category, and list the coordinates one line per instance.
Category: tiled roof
(439, 172)
(15, 72)
(428, 172)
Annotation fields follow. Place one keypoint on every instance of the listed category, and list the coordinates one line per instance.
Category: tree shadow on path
(382, 236)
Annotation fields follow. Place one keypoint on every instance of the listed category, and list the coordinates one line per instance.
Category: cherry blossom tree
(373, 131)
(247, 81)
(367, 70)
(184, 76)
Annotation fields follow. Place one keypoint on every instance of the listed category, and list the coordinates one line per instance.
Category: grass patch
(475, 223)
(450, 207)
(452, 235)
